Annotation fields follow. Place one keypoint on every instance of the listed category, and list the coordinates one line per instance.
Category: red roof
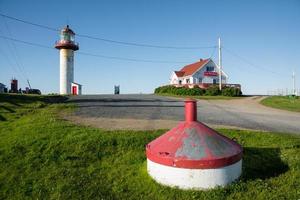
(191, 68)
(179, 73)
(67, 30)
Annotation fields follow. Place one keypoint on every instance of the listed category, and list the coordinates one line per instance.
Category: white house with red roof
(203, 72)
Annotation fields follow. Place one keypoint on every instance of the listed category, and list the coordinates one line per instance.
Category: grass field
(43, 157)
(282, 102)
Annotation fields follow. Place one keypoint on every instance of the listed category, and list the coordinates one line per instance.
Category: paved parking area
(154, 112)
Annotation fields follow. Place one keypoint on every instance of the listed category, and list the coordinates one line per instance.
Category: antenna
(294, 83)
(220, 65)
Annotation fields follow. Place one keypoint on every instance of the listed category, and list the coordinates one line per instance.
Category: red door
(74, 90)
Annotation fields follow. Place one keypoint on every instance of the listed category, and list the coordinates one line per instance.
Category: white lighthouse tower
(66, 46)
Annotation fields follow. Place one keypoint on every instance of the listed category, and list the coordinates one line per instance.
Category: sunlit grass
(283, 102)
(43, 157)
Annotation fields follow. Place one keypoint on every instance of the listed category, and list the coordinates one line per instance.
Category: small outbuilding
(117, 89)
(76, 88)
(2, 88)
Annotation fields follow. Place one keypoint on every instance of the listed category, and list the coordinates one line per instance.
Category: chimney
(190, 110)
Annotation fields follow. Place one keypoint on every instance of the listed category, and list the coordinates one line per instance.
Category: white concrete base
(194, 178)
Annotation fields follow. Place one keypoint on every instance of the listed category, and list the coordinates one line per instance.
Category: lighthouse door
(74, 90)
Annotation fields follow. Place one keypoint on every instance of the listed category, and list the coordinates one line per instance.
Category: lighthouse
(66, 46)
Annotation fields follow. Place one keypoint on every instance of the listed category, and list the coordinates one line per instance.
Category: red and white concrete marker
(193, 156)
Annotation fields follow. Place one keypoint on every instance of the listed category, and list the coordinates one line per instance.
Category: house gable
(179, 73)
(190, 69)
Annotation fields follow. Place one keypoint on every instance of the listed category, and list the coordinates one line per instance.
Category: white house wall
(185, 78)
(174, 79)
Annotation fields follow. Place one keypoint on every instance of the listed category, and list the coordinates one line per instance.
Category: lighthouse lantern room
(66, 46)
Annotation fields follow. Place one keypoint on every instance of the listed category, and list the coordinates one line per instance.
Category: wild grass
(283, 102)
(44, 157)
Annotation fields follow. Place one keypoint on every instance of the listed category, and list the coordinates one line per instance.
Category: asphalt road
(243, 113)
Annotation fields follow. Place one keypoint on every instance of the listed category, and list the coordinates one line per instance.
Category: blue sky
(265, 33)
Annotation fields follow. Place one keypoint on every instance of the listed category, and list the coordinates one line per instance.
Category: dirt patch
(120, 124)
(130, 124)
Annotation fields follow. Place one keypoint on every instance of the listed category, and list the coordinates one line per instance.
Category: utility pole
(28, 84)
(294, 83)
(220, 65)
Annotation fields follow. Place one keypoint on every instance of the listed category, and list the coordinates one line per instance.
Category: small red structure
(14, 85)
(200, 156)
(76, 88)
(210, 73)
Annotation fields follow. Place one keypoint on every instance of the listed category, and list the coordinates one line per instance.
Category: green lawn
(219, 97)
(282, 102)
(43, 157)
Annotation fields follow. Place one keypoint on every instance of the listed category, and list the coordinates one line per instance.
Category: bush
(231, 91)
(197, 91)
(212, 91)
(179, 90)
(165, 89)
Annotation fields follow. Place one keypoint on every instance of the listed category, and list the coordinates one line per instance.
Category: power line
(250, 63)
(213, 52)
(144, 45)
(27, 22)
(9, 61)
(25, 42)
(129, 59)
(12, 62)
(14, 52)
(109, 40)
(94, 55)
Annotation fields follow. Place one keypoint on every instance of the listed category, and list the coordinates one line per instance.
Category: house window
(214, 81)
(187, 80)
(209, 69)
(200, 80)
(180, 81)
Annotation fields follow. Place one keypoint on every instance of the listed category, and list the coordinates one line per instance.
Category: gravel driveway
(154, 112)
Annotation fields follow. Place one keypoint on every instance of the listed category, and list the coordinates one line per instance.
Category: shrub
(165, 89)
(179, 90)
(231, 91)
(212, 91)
(197, 91)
